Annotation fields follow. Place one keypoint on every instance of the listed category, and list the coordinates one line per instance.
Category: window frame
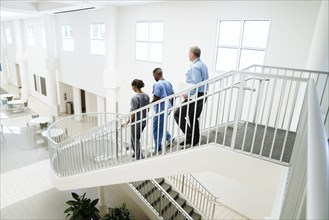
(30, 36)
(9, 39)
(97, 39)
(149, 41)
(67, 39)
(43, 36)
(240, 47)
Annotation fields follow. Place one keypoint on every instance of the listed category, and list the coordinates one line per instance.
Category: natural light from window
(97, 39)
(68, 40)
(149, 41)
(30, 37)
(241, 43)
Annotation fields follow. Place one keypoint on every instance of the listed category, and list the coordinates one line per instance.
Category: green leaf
(93, 203)
(75, 196)
(72, 203)
(68, 210)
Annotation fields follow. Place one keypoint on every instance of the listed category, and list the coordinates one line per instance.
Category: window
(8, 36)
(97, 39)
(67, 35)
(30, 37)
(241, 43)
(40, 84)
(43, 32)
(149, 41)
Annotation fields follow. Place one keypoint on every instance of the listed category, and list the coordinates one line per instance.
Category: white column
(51, 63)
(110, 72)
(319, 52)
(77, 101)
(102, 205)
(21, 59)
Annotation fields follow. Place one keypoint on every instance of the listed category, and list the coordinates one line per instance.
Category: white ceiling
(16, 9)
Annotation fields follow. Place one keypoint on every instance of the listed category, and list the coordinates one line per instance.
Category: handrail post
(238, 108)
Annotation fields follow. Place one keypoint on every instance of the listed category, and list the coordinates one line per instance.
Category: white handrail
(318, 161)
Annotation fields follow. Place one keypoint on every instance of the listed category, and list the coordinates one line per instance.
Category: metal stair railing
(254, 107)
(307, 189)
(202, 199)
(321, 79)
(162, 196)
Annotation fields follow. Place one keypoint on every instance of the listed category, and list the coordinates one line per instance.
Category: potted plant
(82, 208)
(121, 213)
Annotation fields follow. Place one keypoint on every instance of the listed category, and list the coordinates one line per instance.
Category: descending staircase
(252, 113)
(163, 205)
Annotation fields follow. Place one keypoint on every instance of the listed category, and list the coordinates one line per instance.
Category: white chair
(39, 141)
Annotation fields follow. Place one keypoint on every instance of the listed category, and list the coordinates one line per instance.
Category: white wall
(195, 23)
(79, 68)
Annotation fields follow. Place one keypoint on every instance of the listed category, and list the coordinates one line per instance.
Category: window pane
(156, 31)
(250, 57)
(102, 31)
(226, 59)
(8, 36)
(93, 31)
(156, 52)
(142, 31)
(101, 44)
(141, 51)
(255, 33)
(229, 33)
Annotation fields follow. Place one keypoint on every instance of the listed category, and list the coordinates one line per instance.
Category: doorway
(18, 77)
(83, 101)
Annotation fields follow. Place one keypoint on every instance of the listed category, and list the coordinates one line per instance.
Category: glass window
(44, 44)
(30, 37)
(241, 43)
(68, 40)
(149, 41)
(8, 36)
(97, 39)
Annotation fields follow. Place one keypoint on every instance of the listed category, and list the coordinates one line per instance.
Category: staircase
(157, 195)
(256, 112)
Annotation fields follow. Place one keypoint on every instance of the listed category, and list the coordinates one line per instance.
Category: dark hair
(196, 51)
(158, 71)
(138, 83)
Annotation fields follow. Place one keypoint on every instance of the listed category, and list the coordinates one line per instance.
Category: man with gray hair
(197, 73)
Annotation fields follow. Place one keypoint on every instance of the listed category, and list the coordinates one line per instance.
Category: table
(54, 132)
(2, 96)
(17, 105)
(16, 102)
(39, 120)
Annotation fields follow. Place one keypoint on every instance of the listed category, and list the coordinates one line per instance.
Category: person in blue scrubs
(161, 89)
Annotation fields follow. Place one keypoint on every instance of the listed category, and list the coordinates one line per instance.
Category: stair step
(195, 216)
(170, 212)
(166, 186)
(180, 201)
(154, 197)
(160, 180)
(173, 194)
(188, 209)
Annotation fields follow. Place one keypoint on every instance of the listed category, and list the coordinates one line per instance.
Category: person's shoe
(184, 143)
